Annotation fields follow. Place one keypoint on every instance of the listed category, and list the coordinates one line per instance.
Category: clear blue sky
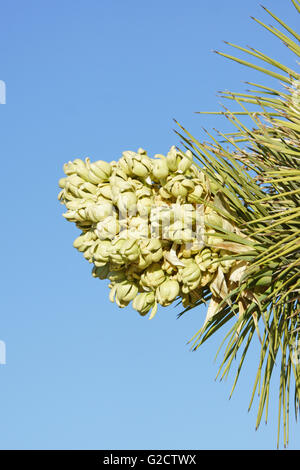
(93, 78)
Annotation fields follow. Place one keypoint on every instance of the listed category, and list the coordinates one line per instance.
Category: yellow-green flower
(125, 292)
(116, 248)
(173, 159)
(119, 183)
(126, 203)
(197, 194)
(104, 191)
(97, 212)
(178, 161)
(108, 228)
(102, 253)
(77, 167)
(189, 275)
(160, 169)
(138, 164)
(153, 276)
(167, 292)
(179, 186)
(179, 232)
(207, 260)
(90, 251)
(151, 252)
(144, 205)
(185, 162)
(100, 170)
(129, 250)
(85, 240)
(144, 302)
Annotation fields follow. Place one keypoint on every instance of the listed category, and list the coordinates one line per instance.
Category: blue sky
(94, 78)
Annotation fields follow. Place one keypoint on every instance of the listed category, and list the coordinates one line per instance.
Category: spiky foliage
(257, 174)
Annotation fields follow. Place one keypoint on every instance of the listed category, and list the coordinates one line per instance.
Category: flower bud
(139, 164)
(144, 205)
(123, 165)
(98, 212)
(89, 253)
(73, 183)
(125, 292)
(179, 186)
(167, 292)
(118, 187)
(108, 228)
(62, 182)
(153, 276)
(115, 254)
(183, 212)
(85, 240)
(151, 249)
(77, 167)
(138, 228)
(185, 162)
(164, 193)
(204, 255)
(207, 260)
(173, 159)
(102, 253)
(160, 169)
(158, 257)
(190, 275)
(105, 191)
(129, 250)
(144, 302)
(70, 167)
(179, 232)
(76, 204)
(73, 216)
(101, 170)
(87, 187)
(168, 267)
(126, 203)
(196, 196)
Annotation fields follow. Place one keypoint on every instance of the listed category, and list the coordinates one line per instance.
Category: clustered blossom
(147, 226)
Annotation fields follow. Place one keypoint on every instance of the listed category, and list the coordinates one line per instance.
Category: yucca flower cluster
(162, 230)
(148, 226)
